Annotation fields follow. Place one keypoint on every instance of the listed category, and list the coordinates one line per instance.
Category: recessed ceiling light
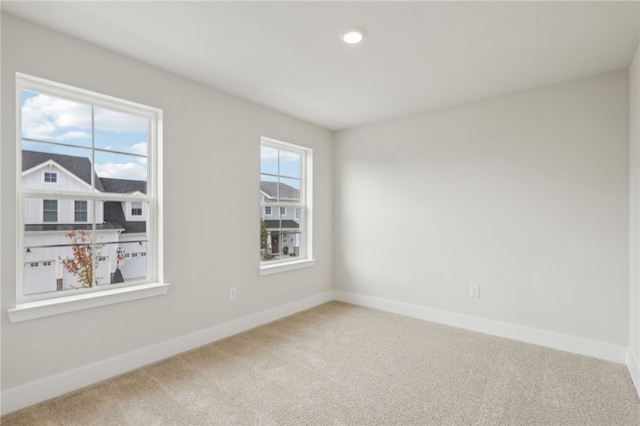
(352, 35)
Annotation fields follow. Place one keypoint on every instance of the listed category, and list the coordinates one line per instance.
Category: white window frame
(306, 258)
(75, 211)
(28, 307)
(132, 208)
(44, 211)
(268, 211)
(50, 173)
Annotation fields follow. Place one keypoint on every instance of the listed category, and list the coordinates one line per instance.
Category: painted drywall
(525, 195)
(211, 227)
(634, 219)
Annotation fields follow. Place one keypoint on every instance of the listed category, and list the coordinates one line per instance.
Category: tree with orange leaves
(86, 257)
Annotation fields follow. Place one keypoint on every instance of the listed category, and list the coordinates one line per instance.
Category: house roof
(287, 192)
(286, 224)
(124, 186)
(113, 211)
(79, 166)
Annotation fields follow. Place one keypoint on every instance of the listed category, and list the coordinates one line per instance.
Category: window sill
(286, 266)
(45, 308)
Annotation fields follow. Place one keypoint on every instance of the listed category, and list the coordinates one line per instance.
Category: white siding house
(120, 231)
(282, 223)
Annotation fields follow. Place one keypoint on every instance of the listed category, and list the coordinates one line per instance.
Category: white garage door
(39, 277)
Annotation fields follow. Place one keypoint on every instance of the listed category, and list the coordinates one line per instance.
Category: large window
(102, 153)
(285, 186)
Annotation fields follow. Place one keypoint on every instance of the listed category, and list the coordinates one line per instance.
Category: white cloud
(106, 119)
(45, 117)
(122, 171)
(73, 135)
(268, 153)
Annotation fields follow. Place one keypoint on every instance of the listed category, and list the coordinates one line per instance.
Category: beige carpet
(339, 364)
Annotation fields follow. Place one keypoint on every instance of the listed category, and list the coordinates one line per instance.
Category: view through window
(97, 151)
(284, 203)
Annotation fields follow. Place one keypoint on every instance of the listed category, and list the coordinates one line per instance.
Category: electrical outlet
(474, 291)
(232, 293)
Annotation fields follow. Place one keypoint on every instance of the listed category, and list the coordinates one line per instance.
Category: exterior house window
(49, 210)
(106, 153)
(285, 183)
(136, 209)
(80, 211)
(50, 177)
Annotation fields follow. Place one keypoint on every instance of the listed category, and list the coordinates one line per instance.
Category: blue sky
(51, 119)
(288, 162)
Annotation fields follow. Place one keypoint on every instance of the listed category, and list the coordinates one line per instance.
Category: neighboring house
(282, 223)
(120, 226)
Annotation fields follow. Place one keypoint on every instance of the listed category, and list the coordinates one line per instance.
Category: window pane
(49, 210)
(81, 211)
(54, 119)
(268, 160)
(289, 164)
(289, 190)
(127, 259)
(56, 261)
(291, 243)
(136, 209)
(117, 131)
(121, 174)
(47, 167)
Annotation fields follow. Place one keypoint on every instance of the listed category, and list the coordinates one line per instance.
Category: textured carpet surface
(339, 364)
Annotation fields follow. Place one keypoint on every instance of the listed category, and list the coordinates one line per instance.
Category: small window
(50, 177)
(50, 210)
(285, 184)
(80, 208)
(136, 209)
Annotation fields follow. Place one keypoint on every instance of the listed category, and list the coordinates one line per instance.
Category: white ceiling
(417, 56)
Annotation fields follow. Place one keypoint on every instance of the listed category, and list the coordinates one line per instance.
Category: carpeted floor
(339, 364)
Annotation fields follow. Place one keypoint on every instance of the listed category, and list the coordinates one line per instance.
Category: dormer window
(50, 177)
(136, 209)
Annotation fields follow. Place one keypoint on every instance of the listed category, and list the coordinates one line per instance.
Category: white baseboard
(50, 387)
(563, 342)
(634, 370)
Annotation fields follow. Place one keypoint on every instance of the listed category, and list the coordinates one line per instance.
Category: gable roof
(114, 217)
(79, 166)
(113, 212)
(286, 192)
(124, 186)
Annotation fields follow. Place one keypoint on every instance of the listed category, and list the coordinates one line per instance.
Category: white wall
(633, 357)
(212, 154)
(525, 195)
